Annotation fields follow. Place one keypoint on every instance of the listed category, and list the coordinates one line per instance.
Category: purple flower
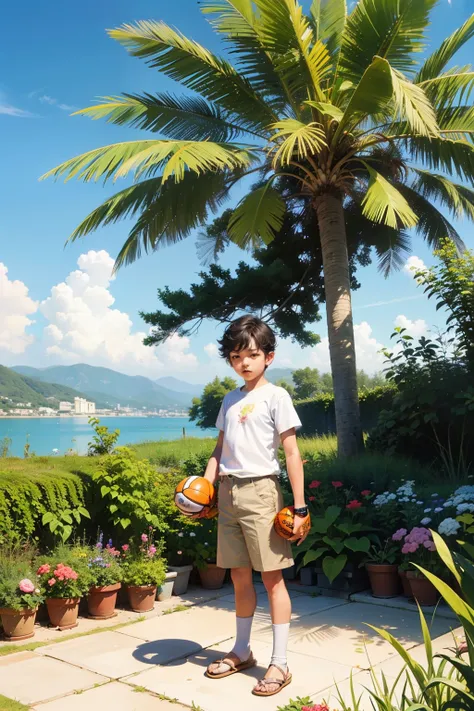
(398, 535)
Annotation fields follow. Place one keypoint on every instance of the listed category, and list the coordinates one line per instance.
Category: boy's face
(250, 363)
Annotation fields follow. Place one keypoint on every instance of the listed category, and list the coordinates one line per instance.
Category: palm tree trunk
(337, 287)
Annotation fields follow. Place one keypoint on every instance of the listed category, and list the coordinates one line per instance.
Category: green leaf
(358, 545)
(326, 109)
(104, 490)
(414, 106)
(257, 217)
(47, 518)
(415, 668)
(336, 543)
(436, 62)
(76, 515)
(445, 555)
(296, 140)
(66, 517)
(329, 19)
(113, 508)
(125, 522)
(53, 525)
(84, 512)
(313, 555)
(66, 532)
(384, 203)
(371, 95)
(333, 566)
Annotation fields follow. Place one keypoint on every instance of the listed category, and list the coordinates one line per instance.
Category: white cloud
(9, 110)
(15, 307)
(414, 264)
(368, 349)
(212, 350)
(51, 101)
(416, 328)
(84, 326)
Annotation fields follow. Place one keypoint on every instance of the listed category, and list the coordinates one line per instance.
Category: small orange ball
(194, 494)
(285, 520)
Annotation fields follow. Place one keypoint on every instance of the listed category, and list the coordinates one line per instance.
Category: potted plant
(383, 570)
(165, 590)
(63, 588)
(203, 550)
(19, 599)
(143, 570)
(418, 547)
(106, 576)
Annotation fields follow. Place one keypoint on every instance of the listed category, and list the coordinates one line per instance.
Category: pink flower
(337, 484)
(26, 586)
(398, 535)
(51, 582)
(366, 492)
(125, 547)
(43, 569)
(179, 552)
(315, 484)
(151, 551)
(353, 505)
(316, 707)
(430, 546)
(312, 498)
(410, 548)
(144, 537)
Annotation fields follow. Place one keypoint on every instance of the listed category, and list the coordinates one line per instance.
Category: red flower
(315, 484)
(312, 498)
(366, 492)
(316, 707)
(353, 505)
(337, 484)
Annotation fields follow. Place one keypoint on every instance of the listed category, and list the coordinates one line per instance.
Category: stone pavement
(147, 665)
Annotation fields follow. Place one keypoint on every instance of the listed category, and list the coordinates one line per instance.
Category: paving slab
(441, 645)
(403, 603)
(114, 696)
(32, 678)
(361, 684)
(109, 653)
(342, 634)
(186, 681)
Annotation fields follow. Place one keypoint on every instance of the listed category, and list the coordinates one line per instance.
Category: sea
(51, 435)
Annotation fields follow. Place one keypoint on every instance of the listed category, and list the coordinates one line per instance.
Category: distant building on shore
(83, 406)
(66, 406)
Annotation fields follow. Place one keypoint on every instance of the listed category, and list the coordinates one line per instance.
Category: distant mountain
(180, 386)
(275, 374)
(110, 386)
(21, 388)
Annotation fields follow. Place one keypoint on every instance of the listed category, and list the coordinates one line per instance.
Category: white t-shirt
(252, 423)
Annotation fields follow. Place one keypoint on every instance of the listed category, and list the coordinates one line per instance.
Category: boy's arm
(294, 466)
(212, 469)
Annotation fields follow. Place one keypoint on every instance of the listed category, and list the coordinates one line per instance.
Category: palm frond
(151, 156)
(315, 54)
(442, 154)
(392, 248)
(458, 199)
(457, 123)
(385, 204)
(295, 141)
(432, 225)
(257, 217)
(329, 19)
(412, 104)
(451, 88)
(392, 29)
(196, 68)
(183, 118)
(176, 210)
(236, 20)
(371, 96)
(436, 62)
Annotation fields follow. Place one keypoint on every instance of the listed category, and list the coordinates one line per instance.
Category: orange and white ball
(193, 494)
(285, 520)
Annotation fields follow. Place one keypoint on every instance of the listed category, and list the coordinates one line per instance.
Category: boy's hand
(299, 533)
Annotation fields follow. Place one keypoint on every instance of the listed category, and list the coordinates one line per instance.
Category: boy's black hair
(240, 333)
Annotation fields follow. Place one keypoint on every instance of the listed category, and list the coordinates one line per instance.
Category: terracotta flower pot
(422, 589)
(63, 612)
(101, 601)
(18, 624)
(405, 583)
(212, 577)
(384, 579)
(141, 598)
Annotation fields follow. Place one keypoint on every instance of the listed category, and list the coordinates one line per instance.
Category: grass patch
(171, 453)
(11, 705)
(176, 608)
(48, 465)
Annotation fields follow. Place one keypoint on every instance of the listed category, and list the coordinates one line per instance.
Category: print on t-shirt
(245, 412)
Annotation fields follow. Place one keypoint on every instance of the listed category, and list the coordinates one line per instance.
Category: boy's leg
(280, 608)
(245, 604)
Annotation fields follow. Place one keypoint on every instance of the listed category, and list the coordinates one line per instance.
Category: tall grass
(172, 453)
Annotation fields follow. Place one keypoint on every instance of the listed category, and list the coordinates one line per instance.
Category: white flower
(425, 521)
(463, 508)
(449, 527)
(404, 500)
(180, 535)
(420, 503)
(206, 544)
(438, 510)
(192, 535)
(427, 511)
(434, 495)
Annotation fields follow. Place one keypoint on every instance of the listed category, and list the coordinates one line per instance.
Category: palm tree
(339, 102)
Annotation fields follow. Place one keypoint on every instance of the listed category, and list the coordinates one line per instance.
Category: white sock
(242, 643)
(280, 643)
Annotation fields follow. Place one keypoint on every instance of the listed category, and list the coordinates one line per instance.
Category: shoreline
(75, 417)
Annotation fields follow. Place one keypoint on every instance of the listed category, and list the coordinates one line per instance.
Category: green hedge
(318, 416)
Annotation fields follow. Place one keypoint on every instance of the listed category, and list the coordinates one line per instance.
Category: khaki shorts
(246, 537)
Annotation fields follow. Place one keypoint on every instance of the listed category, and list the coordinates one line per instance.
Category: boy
(253, 420)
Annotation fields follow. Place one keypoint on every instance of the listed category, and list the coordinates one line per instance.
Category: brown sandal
(287, 677)
(233, 667)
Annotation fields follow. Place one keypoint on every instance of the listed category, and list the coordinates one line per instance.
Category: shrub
(318, 415)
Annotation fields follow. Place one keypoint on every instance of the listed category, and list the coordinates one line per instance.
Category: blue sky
(57, 56)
